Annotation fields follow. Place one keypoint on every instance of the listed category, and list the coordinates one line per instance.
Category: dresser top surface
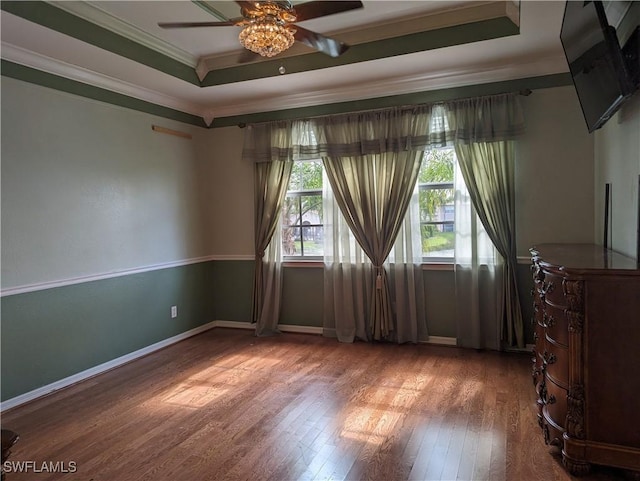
(584, 257)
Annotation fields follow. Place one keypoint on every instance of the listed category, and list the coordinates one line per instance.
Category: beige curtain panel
(271, 178)
(484, 131)
(372, 161)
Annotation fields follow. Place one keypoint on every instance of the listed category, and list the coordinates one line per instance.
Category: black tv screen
(595, 61)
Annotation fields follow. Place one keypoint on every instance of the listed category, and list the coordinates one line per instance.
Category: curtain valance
(378, 132)
(485, 119)
(397, 129)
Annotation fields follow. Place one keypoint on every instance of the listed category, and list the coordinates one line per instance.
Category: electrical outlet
(174, 312)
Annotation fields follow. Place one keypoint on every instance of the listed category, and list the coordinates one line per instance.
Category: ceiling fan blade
(309, 10)
(247, 5)
(326, 45)
(228, 23)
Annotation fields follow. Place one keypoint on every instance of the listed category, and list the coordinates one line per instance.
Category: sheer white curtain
(478, 298)
(347, 290)
(407, 283)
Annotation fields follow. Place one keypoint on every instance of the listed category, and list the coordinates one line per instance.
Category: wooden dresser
(586, 362)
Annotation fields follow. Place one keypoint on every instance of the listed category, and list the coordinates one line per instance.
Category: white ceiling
(536, 51)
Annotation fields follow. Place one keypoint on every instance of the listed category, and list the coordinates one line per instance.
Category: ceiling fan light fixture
(267, 37)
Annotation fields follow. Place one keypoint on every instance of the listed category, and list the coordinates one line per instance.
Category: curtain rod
(523, 92)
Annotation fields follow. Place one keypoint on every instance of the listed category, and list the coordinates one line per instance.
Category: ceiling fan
(270, 27)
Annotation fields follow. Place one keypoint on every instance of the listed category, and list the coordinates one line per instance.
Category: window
(302, 224)
(302, 217)
(437, 208)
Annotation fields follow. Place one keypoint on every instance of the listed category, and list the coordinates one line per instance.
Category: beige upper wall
(229, 195)
(88, 188)
(554, 172)
(617, 158)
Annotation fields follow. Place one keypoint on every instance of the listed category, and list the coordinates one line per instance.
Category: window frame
(315, 259)
(424, 186)
(299, 193)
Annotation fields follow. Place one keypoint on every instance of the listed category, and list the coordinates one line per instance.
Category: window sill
(314, 264)
(438, 266)
(303, 263)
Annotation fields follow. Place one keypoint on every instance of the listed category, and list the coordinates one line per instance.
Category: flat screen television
(597, 64)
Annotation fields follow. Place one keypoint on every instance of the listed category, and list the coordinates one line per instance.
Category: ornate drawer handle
(548, 321)
(549, 358)
(551, 400)
(538, 274)
(534, 374)
(543, 393)
(535, 337)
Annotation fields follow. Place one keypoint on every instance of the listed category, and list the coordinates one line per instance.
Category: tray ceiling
(397, 47)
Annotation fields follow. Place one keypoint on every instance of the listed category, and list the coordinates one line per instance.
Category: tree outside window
(302, 222)
(437, 208)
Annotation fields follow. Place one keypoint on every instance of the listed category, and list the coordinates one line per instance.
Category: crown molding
(94, 14)
(73, 72)
(399, 86)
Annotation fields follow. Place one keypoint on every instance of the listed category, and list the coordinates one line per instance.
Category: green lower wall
(302, 298)
(232, 290)
(51, 334)
(440, 303)
(303, 288)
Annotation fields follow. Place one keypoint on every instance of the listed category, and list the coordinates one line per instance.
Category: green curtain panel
(271, 178)
(488, 171)
(484, 132)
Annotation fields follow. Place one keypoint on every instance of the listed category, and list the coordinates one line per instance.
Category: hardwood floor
(227, 405)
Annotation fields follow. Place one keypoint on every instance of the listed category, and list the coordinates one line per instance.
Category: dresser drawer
(551, 290)
(555, 402)
(553, 434)
(556, 326)
(556, 362)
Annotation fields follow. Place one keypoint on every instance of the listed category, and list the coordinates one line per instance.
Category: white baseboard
(281, 327)
(101, 368)
(132, 356)
(527, 348)
(234, 324)
(442, 341)
(300, 329)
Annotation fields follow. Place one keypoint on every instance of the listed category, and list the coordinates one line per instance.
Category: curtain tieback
(259, 255)
(378, 276)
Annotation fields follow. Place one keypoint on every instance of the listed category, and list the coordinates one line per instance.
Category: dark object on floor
(9, 438)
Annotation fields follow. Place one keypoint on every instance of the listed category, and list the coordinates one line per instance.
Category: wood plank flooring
(225, 405)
